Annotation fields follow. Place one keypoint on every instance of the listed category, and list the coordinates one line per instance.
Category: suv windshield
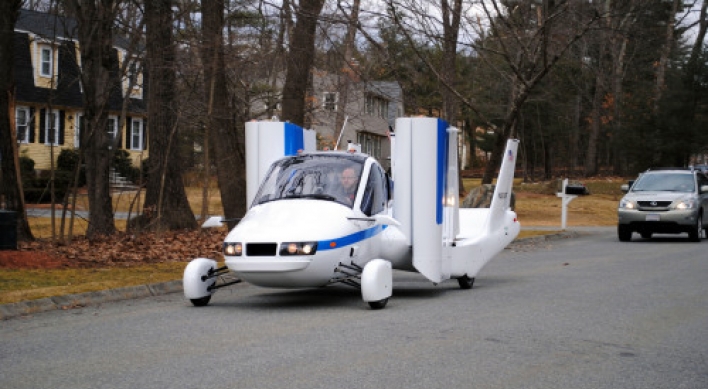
(672, 182)
(332, 177)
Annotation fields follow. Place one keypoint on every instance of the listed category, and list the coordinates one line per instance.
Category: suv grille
(654, 204)
(261, 249)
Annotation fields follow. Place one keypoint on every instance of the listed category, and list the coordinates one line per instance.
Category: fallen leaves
(122, 249)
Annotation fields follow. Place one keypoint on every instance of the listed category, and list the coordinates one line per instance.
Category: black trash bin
(8, 230)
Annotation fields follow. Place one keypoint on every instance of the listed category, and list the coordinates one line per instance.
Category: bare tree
(225, 140)
(299, 60)
(166, 205)
(95, 32)
(522, 35)
(10, 183)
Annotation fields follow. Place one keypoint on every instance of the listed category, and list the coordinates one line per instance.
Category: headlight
(298, 248)
(626, 204)
(233, 249)
(685, 204)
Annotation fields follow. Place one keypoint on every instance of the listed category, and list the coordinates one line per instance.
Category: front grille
(261, 249)
(654, 204)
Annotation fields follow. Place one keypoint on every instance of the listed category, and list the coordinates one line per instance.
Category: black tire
(646, 235)
(465, 282)
(696, 233)
(378, 304)
(624, 233)
(201, 302)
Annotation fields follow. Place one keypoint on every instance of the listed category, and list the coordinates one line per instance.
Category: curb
(545, 238)
(70, 301)
(80, 300)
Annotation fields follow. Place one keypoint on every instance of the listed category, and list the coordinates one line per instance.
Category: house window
(136, 135)
(112, 128)
(376, 106)
(22, 124)
(133, 74)
(370, 144)
(51, 128)
(78, 127)
(46, 58)
(133, 79)
(330, 101)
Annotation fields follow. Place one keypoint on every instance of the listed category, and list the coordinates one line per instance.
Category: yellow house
(49, 97)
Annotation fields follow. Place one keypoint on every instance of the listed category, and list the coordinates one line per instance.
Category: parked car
(667, 201)
(702, 168)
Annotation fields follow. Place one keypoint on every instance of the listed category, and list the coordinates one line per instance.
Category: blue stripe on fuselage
(349, 239)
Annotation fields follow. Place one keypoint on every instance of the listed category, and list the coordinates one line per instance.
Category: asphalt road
(588, 312)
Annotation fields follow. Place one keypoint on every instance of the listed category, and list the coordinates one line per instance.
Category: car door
(703, 196)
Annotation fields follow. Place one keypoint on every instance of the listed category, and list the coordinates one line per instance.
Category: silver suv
(667, 201)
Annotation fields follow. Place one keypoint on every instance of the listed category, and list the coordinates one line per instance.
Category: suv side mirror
(703, 189)
(624, 188)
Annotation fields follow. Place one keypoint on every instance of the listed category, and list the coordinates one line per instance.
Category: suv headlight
(627, 204)
(298, 248)
(685, 204)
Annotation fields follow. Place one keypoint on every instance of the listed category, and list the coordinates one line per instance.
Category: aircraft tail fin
(501, 201)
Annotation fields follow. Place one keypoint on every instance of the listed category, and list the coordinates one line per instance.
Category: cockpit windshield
(329, 177)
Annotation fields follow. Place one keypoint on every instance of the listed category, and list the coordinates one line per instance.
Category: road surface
(588, 312)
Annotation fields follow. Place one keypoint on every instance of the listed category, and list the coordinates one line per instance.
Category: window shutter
(128, 132)
(42, 125)
(118, 139)
(31, 126)
(62, 126)
(145, 127)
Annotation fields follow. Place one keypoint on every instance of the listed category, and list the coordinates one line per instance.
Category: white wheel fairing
(194, 286)
(376, 281)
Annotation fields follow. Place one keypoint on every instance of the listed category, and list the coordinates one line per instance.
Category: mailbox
(576, 189)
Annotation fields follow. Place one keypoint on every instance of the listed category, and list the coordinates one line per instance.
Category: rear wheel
(465, 282)
(624, 233)
(696, 233)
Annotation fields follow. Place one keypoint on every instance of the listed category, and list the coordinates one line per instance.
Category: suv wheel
(696, 233)
(624, 233)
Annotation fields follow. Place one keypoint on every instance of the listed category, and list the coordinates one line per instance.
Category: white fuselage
(339, 241)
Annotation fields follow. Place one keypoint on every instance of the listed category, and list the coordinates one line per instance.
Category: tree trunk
(166, 205)
(95, 31)
(300, 58)
(226, 142)
(451, 28)
(349, 73)
(593, 139)
(10, 183)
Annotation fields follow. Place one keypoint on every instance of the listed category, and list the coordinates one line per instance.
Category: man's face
(348, 179)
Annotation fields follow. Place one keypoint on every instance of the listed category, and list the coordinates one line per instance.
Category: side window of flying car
(374, 199)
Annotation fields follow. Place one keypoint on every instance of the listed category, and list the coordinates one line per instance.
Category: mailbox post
(566, 199)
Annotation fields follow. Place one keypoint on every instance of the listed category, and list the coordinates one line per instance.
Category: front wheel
(624, 233)
(696, 233)
(378, 304)
(201, 302)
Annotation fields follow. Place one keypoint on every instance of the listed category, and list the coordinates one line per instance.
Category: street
(588, 312)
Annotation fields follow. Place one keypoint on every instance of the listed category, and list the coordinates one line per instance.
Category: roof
(46, 25)
(55, 27)
(390, 89)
